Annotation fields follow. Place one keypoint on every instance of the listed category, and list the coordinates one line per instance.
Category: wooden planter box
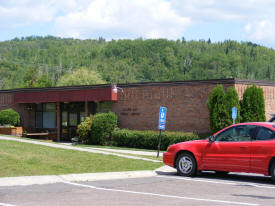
(19, 131)
(8, 131)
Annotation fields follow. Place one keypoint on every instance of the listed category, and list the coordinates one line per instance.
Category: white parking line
(4, 204)
(160, 195)
(217, 182)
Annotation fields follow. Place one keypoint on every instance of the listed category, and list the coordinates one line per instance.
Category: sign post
(161, 126)
(234, 114)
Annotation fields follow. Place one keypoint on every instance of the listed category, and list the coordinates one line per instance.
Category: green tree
(30, 77)
(82, 76)
(232, 100)
(43, 81)
(84, 129)
(9, 117)
(126, 61)
(253, 105)
(218, 114)
(102, 128)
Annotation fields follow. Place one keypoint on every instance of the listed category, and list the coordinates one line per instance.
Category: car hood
(192, 142)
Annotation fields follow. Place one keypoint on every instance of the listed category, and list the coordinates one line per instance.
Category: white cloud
(256, 16)
(14, 13)
(261, 30)
(132, 18)
(24, 13)
(140, 18)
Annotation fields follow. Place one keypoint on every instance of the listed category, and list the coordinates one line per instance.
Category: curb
(51, 179)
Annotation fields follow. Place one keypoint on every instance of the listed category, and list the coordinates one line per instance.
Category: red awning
(76, 95)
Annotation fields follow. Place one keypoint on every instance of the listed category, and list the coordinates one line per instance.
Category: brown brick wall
(138, 107)
(269, 95)
(27, 115)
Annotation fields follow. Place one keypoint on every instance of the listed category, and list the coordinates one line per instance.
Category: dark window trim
(251, 138)
(42, 111)
(260, 140)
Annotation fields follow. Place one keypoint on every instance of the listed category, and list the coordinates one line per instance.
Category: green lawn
(24, 159)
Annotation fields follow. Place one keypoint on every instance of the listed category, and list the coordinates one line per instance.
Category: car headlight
(167, 149)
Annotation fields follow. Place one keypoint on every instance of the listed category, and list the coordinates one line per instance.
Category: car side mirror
(211, 138)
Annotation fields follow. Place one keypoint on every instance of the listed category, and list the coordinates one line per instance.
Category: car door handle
(244, 147)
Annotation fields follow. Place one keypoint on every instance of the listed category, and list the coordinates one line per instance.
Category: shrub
(253, 105)
(218, 114)
(232, 100)
(102, 128)
(10, 117)
(84, 129)
(149, 139)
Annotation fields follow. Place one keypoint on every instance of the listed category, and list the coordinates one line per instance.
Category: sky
(219, 20)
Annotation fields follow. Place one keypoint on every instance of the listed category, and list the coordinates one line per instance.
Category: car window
(265, 134)
(272, 119)
(237, 134)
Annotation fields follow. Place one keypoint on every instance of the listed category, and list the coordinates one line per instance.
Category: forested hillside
(51, 61)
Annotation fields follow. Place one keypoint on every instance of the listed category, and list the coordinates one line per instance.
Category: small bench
(40, 134)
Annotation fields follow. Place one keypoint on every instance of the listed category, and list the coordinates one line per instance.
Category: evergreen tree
(253, 105)
(218, 113)
(232, 100)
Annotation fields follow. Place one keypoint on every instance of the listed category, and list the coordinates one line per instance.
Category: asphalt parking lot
(163, 189)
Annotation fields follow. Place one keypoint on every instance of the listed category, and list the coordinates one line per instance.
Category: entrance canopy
(65, 94)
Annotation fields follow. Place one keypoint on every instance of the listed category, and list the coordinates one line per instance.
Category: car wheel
(186, 165)
(272, 172)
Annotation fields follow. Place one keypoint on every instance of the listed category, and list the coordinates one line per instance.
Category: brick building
(58, 110)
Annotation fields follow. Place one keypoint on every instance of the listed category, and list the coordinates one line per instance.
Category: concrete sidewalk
(124, 151)
(134, 152)
(50, 179)
(69, 147)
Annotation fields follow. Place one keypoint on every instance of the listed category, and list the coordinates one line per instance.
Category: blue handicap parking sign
(234, 112)
(162, 118)
(162, 126)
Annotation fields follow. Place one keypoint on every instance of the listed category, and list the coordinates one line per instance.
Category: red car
(245, 147)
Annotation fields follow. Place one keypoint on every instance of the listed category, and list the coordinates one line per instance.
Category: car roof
(270, 125)
(258, 123)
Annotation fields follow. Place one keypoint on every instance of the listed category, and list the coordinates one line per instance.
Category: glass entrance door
(71, 115)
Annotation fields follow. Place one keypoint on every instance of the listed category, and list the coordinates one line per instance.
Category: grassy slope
(23, 159)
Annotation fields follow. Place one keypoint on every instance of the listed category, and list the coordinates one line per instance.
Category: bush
(232, 100)
(218, 114)
(253, 105)
(149, 139)
(102, 128)
(10, 117)
(84, 129)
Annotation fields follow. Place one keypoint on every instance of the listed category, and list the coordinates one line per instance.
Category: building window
(39, 120)
(45, 116)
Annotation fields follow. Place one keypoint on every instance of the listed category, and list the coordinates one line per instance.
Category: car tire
(186, 165)
(272, 172)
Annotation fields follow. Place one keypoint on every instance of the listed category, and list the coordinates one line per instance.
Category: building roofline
(177, 83)
(257, 82)
(142, 84)
(66, 88)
